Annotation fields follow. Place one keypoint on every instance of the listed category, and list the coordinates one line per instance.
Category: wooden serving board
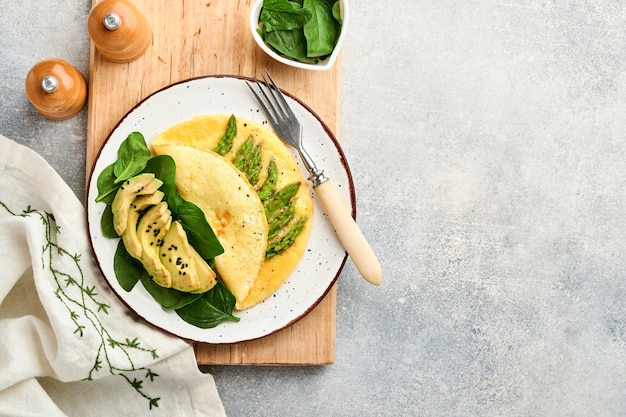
(194, 38)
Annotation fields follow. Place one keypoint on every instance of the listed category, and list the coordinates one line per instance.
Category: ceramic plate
(324, 257)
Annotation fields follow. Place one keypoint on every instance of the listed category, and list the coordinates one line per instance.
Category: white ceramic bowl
(322, 65)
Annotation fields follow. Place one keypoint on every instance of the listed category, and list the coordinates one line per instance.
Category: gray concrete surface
(487, 142)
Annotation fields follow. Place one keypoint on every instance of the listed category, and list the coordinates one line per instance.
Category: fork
(288, 128)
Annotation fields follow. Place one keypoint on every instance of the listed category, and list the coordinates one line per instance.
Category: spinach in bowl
(303, 30)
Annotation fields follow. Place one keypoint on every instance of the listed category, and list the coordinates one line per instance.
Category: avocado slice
(141, 184)
(206, 276)
(174, 253)
(139, 204)
(189, 272)
(151, 230)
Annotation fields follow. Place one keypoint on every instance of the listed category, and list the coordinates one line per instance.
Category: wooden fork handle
(349, 233)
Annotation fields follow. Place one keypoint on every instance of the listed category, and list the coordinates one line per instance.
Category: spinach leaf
(337, 12)
(199, 232)
(164, 168)
(290, 43)
(106, 223)
(128, 270)
(321, 31)
(214, 307)
(283, 15)
(106, 185)
(169, 298)
(132, 156)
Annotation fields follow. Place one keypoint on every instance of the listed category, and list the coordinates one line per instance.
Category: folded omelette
(253, 194)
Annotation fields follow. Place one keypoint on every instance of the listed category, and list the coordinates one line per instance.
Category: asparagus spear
(244, 152)
(248, 160)
(270, 183)
(280, 199)
(253, 168)
(226, 142)
(277, 246)
(280, 218)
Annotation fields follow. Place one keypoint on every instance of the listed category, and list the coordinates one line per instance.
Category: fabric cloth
(68, 346)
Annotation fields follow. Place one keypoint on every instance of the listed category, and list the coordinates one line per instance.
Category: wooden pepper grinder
(56, 89)
(119, 31)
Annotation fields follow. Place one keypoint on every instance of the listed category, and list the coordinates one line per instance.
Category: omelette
(224, 165)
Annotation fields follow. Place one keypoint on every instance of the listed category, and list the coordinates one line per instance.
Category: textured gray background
(487, 144)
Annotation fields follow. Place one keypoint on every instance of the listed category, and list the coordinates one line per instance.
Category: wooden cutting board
(194, 38)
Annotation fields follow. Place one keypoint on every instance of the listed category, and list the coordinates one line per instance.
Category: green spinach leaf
(199, 232)
(106, 185)
(164, 168)
(106, 223)
(214, 307)
(132, 156)
(337, 12)
(169, 298)
(322, 30)
(290, 43)
(283, 15)
(128, 270)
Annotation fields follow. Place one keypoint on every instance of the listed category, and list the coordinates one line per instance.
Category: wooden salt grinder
(119, 31)
(56, 89)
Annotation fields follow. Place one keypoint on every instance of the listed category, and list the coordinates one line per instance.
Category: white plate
(324, 257)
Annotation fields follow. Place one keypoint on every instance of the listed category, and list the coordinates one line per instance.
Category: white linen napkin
(68, 346)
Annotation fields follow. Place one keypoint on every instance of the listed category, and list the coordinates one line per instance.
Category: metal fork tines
(288, 128)
(285, 123)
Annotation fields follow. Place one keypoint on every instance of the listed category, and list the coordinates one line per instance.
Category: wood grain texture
(193, 38)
